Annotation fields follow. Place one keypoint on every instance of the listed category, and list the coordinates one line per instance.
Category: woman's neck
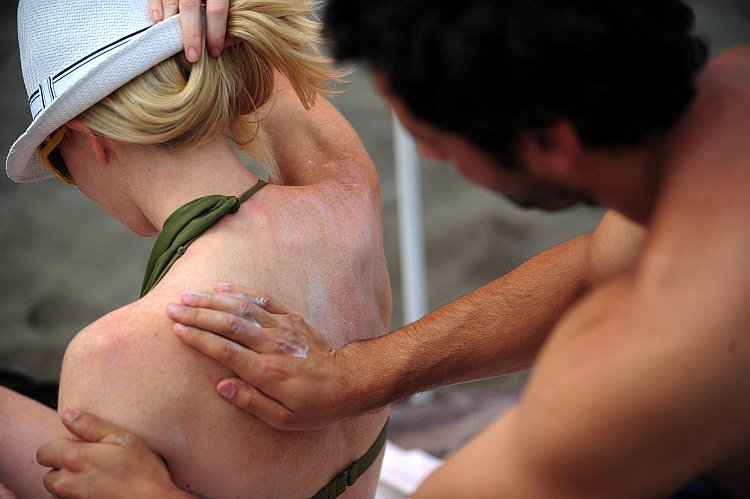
(161, 180)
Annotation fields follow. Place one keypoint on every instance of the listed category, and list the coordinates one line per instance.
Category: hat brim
(154, 45)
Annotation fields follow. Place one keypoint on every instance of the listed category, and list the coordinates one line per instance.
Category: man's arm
(495, 330)
(499, 328)
(634, 395)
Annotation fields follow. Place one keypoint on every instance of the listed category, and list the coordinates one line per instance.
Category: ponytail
(183, 104)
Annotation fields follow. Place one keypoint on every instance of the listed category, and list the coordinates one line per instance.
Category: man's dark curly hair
(489, 69)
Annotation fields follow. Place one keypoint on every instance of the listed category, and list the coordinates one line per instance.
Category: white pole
(411, 232)
(410, 229)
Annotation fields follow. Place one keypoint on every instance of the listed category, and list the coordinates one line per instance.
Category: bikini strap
(249, 193)
(346, 478)
(184, 226)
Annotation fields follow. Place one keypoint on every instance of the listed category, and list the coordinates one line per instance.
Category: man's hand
(109, 463)
(291, 378)
(190, 19)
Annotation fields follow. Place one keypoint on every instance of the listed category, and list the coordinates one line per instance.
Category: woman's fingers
(6, 493)
(190, 20)
(155, 10)
(56, 485)
(170, 8)
(90, 428)
(216, 25)
(63, 453)
(109, 462)
(216, 14)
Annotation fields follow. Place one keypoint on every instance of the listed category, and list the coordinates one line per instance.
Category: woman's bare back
(319, 250)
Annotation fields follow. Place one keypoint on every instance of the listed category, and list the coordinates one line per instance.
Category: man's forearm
(494, 330)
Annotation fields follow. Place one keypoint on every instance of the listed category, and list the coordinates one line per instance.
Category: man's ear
(552, 152)
(96, 143)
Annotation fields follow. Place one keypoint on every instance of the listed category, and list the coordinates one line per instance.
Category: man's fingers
(216, 22)
(255, 402)
(237, 304)
(246, 332)
(263, 300)
(242, 361)
(190, 20)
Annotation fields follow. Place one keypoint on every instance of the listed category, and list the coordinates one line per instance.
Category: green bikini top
(185, 226)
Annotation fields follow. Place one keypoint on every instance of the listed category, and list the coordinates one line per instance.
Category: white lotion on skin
(179, 437)
(301, 352)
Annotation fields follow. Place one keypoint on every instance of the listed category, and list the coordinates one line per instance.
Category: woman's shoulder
(132, 336)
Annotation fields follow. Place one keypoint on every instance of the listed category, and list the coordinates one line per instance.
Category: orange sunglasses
(53, 159)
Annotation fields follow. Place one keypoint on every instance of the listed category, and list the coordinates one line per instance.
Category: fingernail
(192, 54)
(69, 416)
(227, 391)
(215, 52)
(179, 329)
(156, 15)
(189, 299)
(222, 287)
(174, 309)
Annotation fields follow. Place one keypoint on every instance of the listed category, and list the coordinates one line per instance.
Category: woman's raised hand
(190, 19)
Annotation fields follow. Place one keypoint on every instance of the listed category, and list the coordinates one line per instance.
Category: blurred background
(65, 263)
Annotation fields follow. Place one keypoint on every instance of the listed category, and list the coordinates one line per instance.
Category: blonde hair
(178, 103)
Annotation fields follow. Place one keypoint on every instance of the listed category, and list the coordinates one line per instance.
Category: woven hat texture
(74, 53)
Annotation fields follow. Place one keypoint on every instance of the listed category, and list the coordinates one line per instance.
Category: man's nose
(430, 152)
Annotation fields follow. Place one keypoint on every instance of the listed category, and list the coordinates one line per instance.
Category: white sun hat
(73, 54)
